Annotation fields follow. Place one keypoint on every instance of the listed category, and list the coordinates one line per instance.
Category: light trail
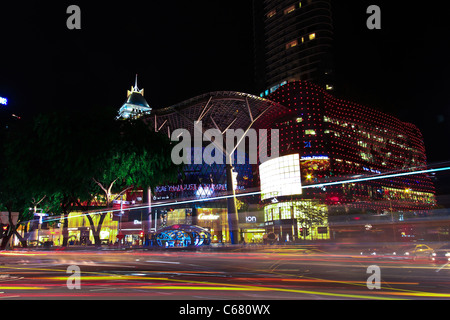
(289, 284)
(318, 185)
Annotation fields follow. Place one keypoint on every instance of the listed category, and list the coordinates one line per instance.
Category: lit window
(271, 14)
(276, 214)
(362, 144)
(299, 120)
(312, 36)
(290, 9)
(329, 87)
(310, 132)
(364, 156)
(291, 44)
(300, 4)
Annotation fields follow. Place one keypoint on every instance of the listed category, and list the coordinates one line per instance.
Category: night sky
(184, 48)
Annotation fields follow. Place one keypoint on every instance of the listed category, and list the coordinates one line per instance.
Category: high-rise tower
(293, 41)
(136, 106)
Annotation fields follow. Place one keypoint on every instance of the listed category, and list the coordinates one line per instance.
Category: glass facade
(293, 41)
(338, 139)
(309, 219)
(215, 220)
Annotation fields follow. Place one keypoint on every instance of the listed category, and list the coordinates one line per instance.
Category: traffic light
(4, 229)
(141, 234)
(304, 232)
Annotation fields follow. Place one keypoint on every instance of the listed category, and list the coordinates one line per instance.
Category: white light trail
(319, 185)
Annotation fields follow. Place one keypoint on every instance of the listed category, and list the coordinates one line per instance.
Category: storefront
(80, 230)
(215, 220)
(176, 216)
(252, 227)
(289, 214)
(302, 219)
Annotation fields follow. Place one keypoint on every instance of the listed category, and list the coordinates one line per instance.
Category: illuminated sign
(280, 177)
(255, 230)
(194, 187)
(204, 192)
(202, 216)
(372, 170)
(3, 101)
(314, 158)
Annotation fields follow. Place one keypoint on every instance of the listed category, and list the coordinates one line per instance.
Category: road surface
(260, 274)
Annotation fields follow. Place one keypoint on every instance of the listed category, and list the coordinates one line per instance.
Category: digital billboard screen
(280, 177)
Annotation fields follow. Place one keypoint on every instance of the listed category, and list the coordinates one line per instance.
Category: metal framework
(183, 236)
(222, 110)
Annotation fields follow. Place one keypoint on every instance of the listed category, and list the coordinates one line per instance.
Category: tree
(136, 158)
(69, 157)
(13, 198)
(54, 155)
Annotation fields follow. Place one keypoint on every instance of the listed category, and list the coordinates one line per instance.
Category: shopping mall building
(295, 192)
(321, 140)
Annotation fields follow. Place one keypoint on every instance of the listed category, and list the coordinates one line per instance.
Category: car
(378, 252)
(415, 252)
(442, 254)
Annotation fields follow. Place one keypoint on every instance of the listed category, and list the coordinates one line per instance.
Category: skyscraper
(293, 41)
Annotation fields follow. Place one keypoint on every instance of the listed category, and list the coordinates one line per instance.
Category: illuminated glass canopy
(181, 236)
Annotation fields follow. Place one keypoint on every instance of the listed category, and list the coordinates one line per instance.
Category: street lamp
(40, 215)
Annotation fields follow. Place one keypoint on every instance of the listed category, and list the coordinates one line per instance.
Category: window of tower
(271, 14)
(289, 10)
(291, 44)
